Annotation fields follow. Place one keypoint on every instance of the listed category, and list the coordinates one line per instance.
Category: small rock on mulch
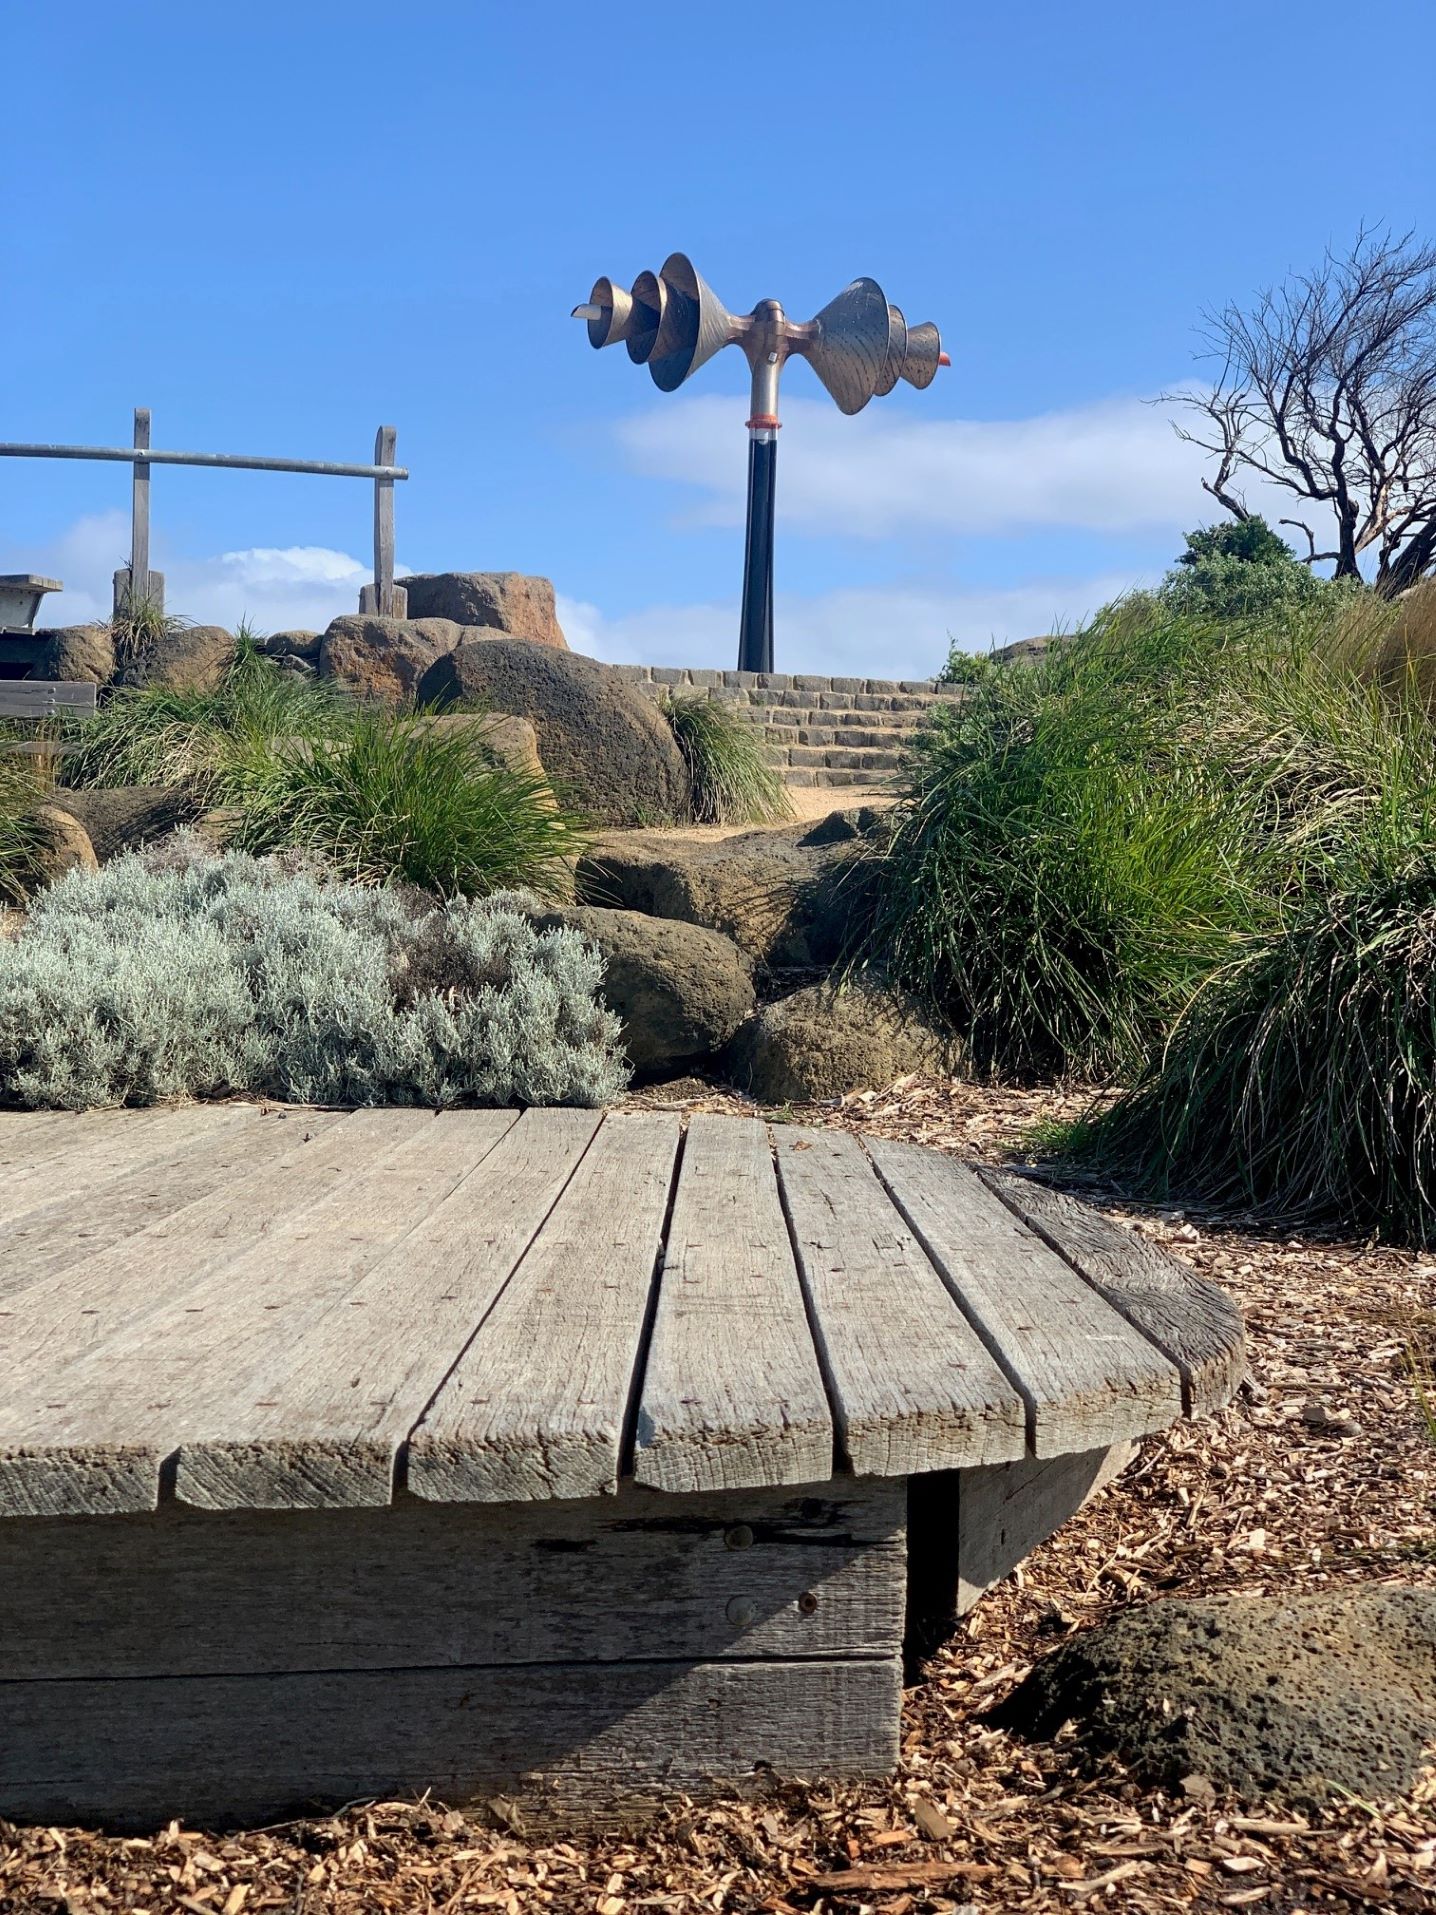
(1262, 1696)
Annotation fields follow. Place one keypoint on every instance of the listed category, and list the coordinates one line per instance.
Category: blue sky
(278, 226)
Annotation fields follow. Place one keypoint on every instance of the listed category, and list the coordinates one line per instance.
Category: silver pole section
(140, 514)
(130, 455)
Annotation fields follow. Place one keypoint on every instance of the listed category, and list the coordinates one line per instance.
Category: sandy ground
(808, 806)
(1322, 1473)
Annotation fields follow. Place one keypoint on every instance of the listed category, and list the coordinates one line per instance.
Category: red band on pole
(761, 419)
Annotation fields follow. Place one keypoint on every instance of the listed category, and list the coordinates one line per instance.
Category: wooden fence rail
(137, 582)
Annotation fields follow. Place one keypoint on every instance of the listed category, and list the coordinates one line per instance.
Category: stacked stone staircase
(835, 732)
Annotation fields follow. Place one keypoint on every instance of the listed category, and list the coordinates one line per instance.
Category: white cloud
(1116, 466)
(871, 631)
(273, 587)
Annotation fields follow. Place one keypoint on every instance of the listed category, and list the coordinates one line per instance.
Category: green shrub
(1240, 569)
(399, 798)
(1300, 1082)
(186, 974)
(733, 783)
(154, 736)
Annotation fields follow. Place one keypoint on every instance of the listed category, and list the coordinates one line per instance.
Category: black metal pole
(755, 638)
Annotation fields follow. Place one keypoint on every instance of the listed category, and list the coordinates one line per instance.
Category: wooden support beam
(384, 599)
(140, 513)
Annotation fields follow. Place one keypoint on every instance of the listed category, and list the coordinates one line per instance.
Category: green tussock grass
(23, 838)
(1060, 873)
(1300, 1082)
(155, 736)
(390, 798)
(1194, 858)
(732, 781)
(140, 627)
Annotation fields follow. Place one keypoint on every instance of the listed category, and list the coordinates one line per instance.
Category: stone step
(830, 758)
(805, 778)
(781, 738)
(894, 721)
(667, 678)
(847, 738)
(917, 703)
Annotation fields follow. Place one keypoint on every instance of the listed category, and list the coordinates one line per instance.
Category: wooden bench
(358, 1455)
(41, 698)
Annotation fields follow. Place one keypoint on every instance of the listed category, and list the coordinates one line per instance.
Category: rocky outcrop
(188, 658)
(121, 818)
(509, 602)
(828, 1040)
(1288, 1696)
(382, 660)
(681, 991)
(604, 746)
(83, 654)
(787, 896)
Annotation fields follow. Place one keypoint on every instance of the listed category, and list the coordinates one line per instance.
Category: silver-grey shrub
(192, 974)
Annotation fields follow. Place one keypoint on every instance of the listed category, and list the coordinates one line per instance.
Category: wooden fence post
(135, 583)
(384, 598)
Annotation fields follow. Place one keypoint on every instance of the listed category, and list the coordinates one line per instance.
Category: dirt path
(1323, 1473)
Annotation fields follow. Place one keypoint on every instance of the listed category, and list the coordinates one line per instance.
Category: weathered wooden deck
(345, 1454)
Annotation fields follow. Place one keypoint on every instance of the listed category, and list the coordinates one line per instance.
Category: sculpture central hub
(859, 346)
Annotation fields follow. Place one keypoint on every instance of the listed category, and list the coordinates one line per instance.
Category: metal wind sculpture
(858, 345)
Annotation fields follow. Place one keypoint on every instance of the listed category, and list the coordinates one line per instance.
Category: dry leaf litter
(1322, 1473)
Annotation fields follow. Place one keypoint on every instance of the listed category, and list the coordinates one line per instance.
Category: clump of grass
(23, 838)
(156, 736)
(1059, 875)
(732, 781)
(139, 627)
(1300, 1082)
(1088, 837)
(388, 798)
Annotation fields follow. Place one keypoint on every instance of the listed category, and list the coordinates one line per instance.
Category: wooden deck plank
(913, 1387)
(320, 1424)
(68, 1156)
(1088, 1377)
(89, 1433)
(61, 1317)
(536, 1406)
(234, 1141)
(247, 1748)
(1192, 1319)
(182, 1592)
(733, 1393)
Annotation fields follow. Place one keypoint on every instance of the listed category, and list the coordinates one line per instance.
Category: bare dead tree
(1328, 389)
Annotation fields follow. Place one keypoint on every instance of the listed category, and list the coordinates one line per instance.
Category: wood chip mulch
(1322, 1473)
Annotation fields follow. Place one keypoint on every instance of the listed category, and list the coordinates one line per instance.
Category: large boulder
(510, 602)
(789, 896)
(508, 741)
(188, 658)
(382, 660)
(123, 817)
(65, 845)
(298, 643)
(681, 991)
(828, 1040)
(606, 748)
(1261, 1695)
(83, 654)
